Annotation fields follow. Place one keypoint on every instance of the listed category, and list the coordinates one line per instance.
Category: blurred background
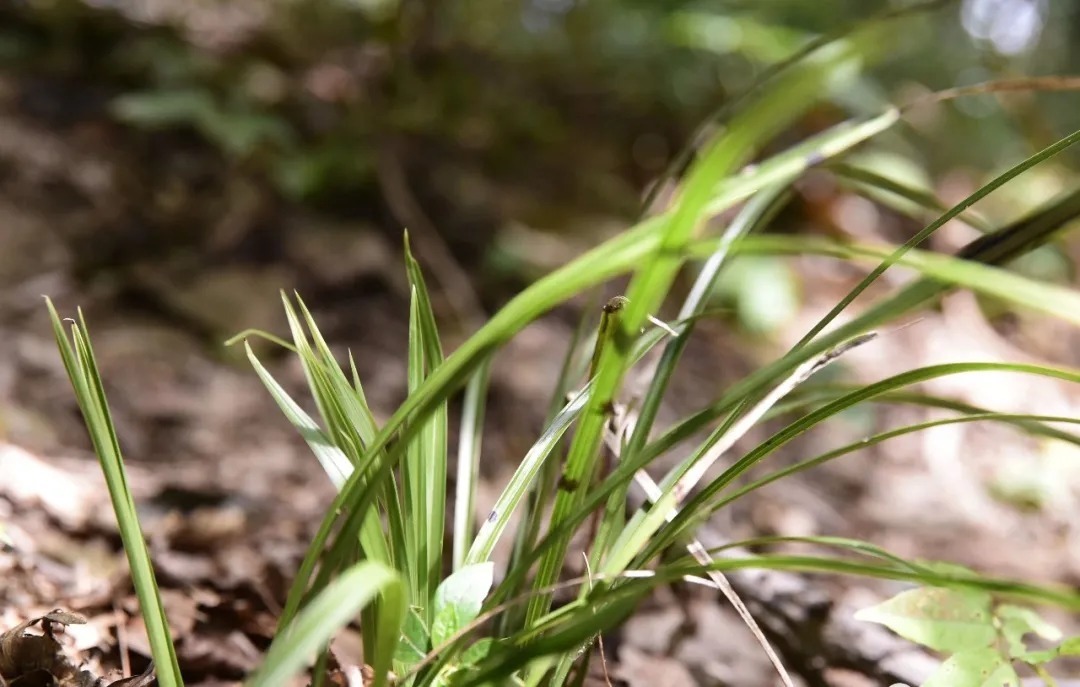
(169, 165)
(168, 151)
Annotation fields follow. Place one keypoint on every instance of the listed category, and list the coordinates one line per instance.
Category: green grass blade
(333, 608)
(468, 461)
(788, 165)
(433, 353)
(574, 367)
(414, 477)
(357, 411)
(900, 196)
(698, 504)
(982, 192)
(1061, 596)
(335, 463)
(907, 397)
(594, 267)
(1026, 234)
(1050, 299)
(568, 628)
(643, 527)
(847, 544)
(773, 71)
(998, 248)
(78, 357)
(317, 373)
(652, 281)
(342, 409)
(758, 211)
(346, 413)
(885, 390)
(356, 429)
(495, 524)
(1021, 421)
(433, 437)
(524, 475)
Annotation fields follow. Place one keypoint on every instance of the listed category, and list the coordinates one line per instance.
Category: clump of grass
(427, 621)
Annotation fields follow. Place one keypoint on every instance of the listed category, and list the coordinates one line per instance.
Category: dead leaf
(28, 660)
(141, 680)
(73, 500)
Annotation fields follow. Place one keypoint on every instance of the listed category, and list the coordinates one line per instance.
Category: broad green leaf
(477, 652)
(1017, 621)
(459, 598)
(1070, 647)
(975, 668)
(414, 642)
(942, 619)
(446, 676)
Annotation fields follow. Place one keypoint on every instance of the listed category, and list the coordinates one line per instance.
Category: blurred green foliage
(549, 113)
(312, 92)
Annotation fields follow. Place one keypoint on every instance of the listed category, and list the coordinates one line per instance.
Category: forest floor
(229, 496)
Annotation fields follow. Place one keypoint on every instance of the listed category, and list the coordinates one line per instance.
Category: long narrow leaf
(983, 191)
(78, 357)
(332, 609)
(333, 460)
(1015, 289)
(1015, 419)
(610, 259)
(739, 467)
(652, 281)
(469, 445)
(1003, 245)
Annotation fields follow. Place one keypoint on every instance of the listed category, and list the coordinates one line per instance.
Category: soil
(169, 252)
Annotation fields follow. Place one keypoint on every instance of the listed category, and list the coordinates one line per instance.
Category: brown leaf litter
(39, 660)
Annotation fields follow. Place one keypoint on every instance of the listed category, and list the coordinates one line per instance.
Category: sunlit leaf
(942, 619)
(975, 668)
(459, 598)
(333, 608)
(1017, 621)
(414, 641)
